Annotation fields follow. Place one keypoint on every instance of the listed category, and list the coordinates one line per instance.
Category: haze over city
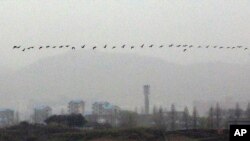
(54, 77)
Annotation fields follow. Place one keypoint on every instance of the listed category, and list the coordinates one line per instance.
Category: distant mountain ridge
(119, 78)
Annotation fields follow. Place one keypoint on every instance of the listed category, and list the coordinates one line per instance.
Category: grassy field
(56, 133)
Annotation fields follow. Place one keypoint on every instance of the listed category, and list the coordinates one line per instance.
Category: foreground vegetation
(27, 132)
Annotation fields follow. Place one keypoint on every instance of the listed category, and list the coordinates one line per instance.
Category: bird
(94, 47)
(47, 46)
(185, 45)
(60, 46)
(178, 45)
(105, 46)
(73, 48)
(161, 46)
(190, 46)
(170, 45)
(184, 50)
(83, 46)
(14, 47)
(23, 49)
(233, 47)
(142, 45)
(199, 46)
(239, 46)
(113, 47)
(151, 45)
(54, 46)
(228, 47)
(67, 46)
(246, 49)
(123, 46)
(215, 46)
(207, 47)
(221, 47)
(132, 47)
(30, 47)
(40, 47)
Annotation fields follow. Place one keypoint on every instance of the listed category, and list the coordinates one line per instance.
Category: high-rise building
(6, 117)
(104, 112)
(146, 89)
(41, 113)
(76, 107)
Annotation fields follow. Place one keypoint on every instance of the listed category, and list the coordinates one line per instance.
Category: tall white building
(76, 107)
(41, 113)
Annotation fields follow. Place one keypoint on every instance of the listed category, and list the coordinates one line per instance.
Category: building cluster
(105, 113)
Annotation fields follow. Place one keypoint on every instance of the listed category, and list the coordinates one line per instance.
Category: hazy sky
(98, 22)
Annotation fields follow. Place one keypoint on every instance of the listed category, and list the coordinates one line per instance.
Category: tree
(195, 118)
(211, 118)
(73, 120)
(218, 115)
(248, 111)
(128, 119)
(173, 117)
(238, 111)
(186, 118)
(158, 118)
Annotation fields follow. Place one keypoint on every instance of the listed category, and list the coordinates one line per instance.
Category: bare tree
(173, 117)
(238, 112)
(186, 118)
(248, 111)
(218, 115)
(195, 118)
(211, 118)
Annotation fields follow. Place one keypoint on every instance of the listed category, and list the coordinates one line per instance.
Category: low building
(41, 113)
(76, 107)
(6, 117)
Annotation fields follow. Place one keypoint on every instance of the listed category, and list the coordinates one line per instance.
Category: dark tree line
(73, 120)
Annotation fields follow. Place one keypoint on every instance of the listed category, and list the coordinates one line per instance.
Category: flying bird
(47, 46)
(67, 46)
(142, 45)
(94, 47)
(233, 47)
(199, 46)
(178, 45)
(30, 47)
(132, 47)
(54, 46)
(14, 47)
(185, 45)
(170, 45)
(221, 47)
(228, 47)
(190, 46)
(246, 49)
(23, 49)
(207, 47)
(151, 45)
(40, 47)
(161, 46)
(105, 46)
(83, 46)
(215, 46)
(123, 46)
(184, 50)
(73, 48)
(239, 46)
(113, 47)
(60, 46)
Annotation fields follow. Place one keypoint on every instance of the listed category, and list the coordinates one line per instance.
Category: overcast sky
(134, 22)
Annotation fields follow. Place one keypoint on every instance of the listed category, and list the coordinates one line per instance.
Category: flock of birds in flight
(184, 47)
